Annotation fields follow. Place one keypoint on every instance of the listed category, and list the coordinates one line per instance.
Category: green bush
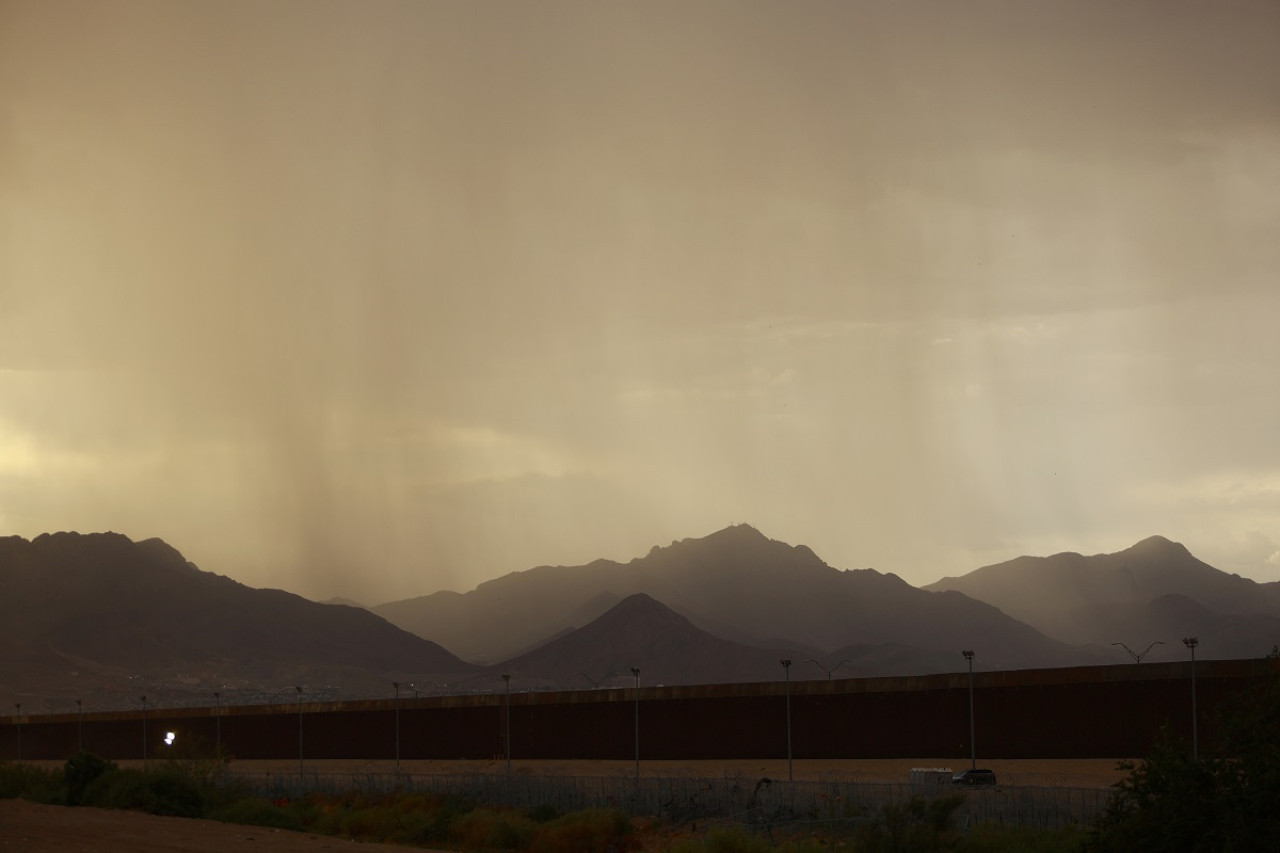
(493, 829)
(920, 825)
(543, 813)
(734, 840)
(737, 840)
(80, 771)
(993, 838)
(590, 831)
(254, 811)
(157, 792)
(31, 783)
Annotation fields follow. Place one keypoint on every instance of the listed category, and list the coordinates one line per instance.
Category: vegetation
(1224, 802)
(195, 787)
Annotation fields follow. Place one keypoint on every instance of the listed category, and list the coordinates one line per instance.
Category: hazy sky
(376, 298)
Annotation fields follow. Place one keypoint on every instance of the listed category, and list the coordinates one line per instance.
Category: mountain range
(737, 584)
(1153, 591)
(100, 615)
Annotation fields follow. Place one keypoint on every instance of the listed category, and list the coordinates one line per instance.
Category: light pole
(819, 665)
(79, 726)
(299, 689)
(217, 721)
(973, 747)
(396, 685)
(1191, 643)
(144, 732)
(17, 714)
(1138, 656)
(786, 668)
(635, 673)
(507, 678)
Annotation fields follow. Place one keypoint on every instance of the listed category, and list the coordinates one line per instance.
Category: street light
(396, 685)
(786, 668)
(299, 689)
(79, 726)
(1138, 656)
(973, 747)
(819, 665)
(507, 678)
(635, 672)
(144, 732)
(1191, 643)
(17, 713)
(217, 698)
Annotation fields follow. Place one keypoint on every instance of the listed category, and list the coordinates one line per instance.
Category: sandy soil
(32, 828)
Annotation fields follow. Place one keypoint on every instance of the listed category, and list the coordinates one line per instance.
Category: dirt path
(33, 828)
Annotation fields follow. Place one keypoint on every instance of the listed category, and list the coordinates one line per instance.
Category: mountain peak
(738, 534)
(736, 542)
(1155, 545)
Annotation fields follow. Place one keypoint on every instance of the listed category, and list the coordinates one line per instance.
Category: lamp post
(1191, 643)
(1138, 656)
(79, 726)
(396, 685)
(17, 714)
(819, 665)
(217, 721)
(973, 747)
(507, 678)
(144, 732)
(786, 668)
(635, 673)
(299, 689)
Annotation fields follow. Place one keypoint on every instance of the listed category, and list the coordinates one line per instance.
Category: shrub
(253, 811)
(917, 826)
(31, 783)
(543, 813)
(157, 792)
(492, 829)
(80, 771)
(590, 831)
(1224, 802)
(992, 838)
(734, 840)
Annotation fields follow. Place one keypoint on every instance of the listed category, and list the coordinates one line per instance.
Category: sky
(371, 299)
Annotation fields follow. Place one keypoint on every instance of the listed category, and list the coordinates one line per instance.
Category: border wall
(1078, 712)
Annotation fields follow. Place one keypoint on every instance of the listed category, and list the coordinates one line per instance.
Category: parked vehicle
(974, 778)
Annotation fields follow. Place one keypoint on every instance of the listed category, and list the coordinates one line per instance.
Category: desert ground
(33, 828)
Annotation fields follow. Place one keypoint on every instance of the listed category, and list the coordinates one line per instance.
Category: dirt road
(33, 828)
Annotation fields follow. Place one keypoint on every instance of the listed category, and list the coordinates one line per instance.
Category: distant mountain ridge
(1154, 590)
(739, 585)
(639, 631)
(98, 612)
